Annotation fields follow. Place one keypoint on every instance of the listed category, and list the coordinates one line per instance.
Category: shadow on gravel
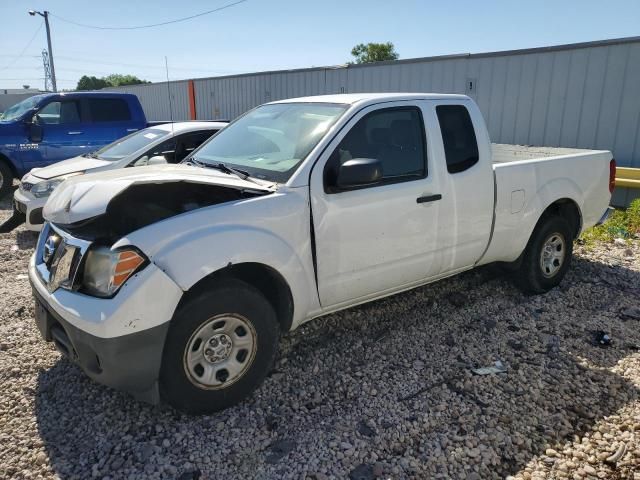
(26, 239)
(392, 377)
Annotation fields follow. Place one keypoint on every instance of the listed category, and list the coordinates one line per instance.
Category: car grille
(26, 186)
(58, 258)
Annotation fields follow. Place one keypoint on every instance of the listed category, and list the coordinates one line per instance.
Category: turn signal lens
(128, 262)
(106, 270)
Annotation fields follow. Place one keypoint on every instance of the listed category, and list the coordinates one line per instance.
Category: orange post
(192, 100)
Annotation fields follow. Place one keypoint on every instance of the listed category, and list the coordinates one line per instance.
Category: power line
(36, 78)
(118, 64)
(24, 49)
(97, 27)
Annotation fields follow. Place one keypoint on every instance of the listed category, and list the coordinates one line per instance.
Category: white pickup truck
(174, 282)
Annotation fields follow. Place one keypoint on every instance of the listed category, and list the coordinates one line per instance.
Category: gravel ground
(381, 391)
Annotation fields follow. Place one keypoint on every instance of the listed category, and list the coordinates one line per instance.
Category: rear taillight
(612, 175)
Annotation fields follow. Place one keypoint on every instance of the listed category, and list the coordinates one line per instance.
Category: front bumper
(130, 363)
(31, 206)
(117, 341)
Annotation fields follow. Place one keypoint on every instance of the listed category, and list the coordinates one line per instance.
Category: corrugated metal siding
(154, 99)
(572, 96)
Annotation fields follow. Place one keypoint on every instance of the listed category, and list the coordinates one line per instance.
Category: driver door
(384, 237)
(63, 135)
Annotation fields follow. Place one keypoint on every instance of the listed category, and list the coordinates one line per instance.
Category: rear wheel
(547, 256)
(220, 346)
(6, 179)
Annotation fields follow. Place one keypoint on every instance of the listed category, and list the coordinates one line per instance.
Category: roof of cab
(356, 98)
(84, 94)
(189, 126)
(94, 93)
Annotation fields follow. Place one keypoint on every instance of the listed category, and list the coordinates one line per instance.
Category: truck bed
(507, 153)
(528, 179)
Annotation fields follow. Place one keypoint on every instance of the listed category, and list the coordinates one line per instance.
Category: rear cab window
(108, 110)
(458, 137)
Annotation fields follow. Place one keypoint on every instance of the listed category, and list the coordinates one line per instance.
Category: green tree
(118, 80)
(91, 83)
(374, 52)
(113, 80)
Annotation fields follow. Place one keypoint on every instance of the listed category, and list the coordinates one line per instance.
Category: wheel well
(9, 164)
(567, 209)
(267, 280)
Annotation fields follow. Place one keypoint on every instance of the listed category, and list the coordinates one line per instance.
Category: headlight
(44, 189)
(106, 270)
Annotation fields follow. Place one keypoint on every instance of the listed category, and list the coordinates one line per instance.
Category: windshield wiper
(224, 168)
(230, 170)
(220, 166)
(193, 161)
(90, 155)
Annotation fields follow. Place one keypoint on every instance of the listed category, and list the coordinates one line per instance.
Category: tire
(6, 179)
(547, 256)
(192, 377)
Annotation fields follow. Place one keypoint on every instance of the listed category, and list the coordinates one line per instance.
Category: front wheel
(547, 256)
(220, 346)
(6, 179)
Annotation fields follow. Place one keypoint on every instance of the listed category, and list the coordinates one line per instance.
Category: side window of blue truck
(108, 110)
(56, 113)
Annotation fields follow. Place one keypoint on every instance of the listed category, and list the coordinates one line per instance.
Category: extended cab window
(394, 136)
(458, 137)
(55, 113)
(108, 110)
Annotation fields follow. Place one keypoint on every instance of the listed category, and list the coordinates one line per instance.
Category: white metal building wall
(580, 95)
(10, 99)
(153, 98)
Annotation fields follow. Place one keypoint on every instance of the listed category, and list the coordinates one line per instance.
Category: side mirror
(359, 172)
(144, 160)
(157, 160)
(35, 132)
(31, 116)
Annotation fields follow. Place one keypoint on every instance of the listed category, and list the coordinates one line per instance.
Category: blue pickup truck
(47, 128)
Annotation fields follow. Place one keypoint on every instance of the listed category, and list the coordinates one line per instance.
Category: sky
(260, 35)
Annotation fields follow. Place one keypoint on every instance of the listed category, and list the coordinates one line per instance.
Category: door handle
(74, 133)
(132, 129)
(429, 198)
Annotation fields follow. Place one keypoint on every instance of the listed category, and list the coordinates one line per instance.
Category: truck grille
(58, 258)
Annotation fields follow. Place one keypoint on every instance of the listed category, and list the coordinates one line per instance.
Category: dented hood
(86, 196)
(72, 165)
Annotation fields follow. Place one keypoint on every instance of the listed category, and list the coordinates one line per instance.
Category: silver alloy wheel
(220, 352)
(552, 254)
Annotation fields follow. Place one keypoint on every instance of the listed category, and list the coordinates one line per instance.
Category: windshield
(19, 109)
(270, 141)
(129, 144)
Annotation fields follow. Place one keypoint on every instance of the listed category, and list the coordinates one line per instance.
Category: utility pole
(47, 69)
(45, 15)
